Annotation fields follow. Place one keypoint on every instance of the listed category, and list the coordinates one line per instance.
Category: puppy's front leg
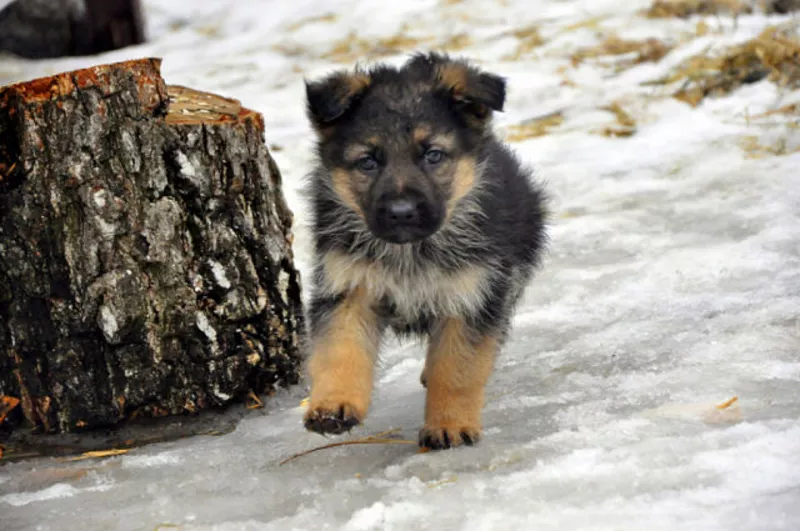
(458, 365)
(344, 346)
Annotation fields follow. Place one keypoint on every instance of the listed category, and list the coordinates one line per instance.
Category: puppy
(423, 223)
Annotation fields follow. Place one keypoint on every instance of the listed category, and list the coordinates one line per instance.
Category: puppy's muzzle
(404, 218)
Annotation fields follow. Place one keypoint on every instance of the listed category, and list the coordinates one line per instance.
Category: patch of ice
(53, 492)
(147, 461)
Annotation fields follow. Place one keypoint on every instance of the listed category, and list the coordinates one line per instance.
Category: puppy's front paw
(332, 418)
(442, 437)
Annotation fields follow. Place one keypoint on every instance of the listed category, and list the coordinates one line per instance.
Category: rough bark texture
(145, 250)
(57, 28)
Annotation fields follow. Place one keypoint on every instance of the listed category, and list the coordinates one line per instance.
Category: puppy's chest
(428, 291)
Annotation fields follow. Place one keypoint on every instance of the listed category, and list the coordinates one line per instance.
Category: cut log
(146, 265)
(782, 6)
(58, 28)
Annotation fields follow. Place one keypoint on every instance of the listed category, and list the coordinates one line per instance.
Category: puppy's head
(401, 145)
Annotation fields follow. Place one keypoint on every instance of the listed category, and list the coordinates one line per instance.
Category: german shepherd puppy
(424, 223)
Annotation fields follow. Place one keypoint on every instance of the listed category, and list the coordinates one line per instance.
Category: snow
(59, 490)
(672, 285)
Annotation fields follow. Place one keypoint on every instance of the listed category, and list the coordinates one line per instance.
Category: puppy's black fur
(424, 223)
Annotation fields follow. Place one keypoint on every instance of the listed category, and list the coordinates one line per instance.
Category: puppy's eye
(434, 156)
(367, 164)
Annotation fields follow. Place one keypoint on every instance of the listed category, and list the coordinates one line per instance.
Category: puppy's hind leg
(344, 349)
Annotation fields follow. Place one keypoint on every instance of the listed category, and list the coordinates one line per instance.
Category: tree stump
(57, 28)
(146, 265)
(783, 6)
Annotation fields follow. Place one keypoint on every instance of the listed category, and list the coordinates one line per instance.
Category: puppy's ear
(473, 91)
(330, 98)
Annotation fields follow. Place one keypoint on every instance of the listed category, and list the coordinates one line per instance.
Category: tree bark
(57, 28)
(145, 250)
(782, 6)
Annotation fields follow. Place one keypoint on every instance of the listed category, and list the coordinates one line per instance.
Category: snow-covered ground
(672, 285)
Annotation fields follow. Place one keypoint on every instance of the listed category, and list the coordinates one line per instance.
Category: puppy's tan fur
(456, 371)
(343, 359)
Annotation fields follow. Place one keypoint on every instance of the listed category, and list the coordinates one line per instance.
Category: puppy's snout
(402, 211)
(404, 217)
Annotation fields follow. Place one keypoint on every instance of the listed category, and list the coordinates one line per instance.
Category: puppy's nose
(402, 211)
(403, 217)
(395, 211)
